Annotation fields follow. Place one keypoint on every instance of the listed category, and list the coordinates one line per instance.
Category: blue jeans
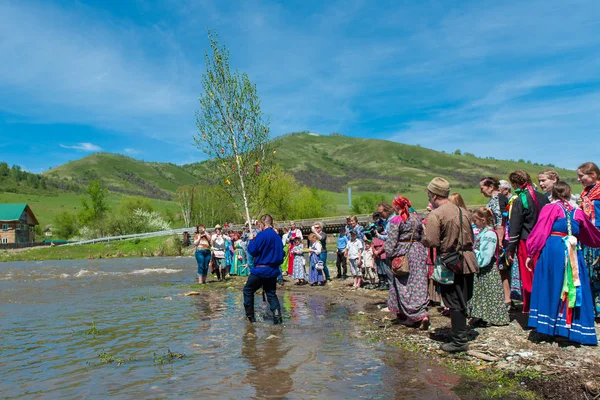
(254, 283)
(323, 257)
(203, 259)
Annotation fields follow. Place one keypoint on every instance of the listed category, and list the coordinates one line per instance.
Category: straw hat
(217, 226)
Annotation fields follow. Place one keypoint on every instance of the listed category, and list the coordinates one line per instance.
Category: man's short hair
(267, 220)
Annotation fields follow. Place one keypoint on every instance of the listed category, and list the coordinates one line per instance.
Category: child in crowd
(354, 254)
(299, 262)
(487, 304)
(378, 248)
(316, 277)
(341, 261)
(368, 265)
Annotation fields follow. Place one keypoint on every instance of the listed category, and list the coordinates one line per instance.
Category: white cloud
(69, 66)
(466, 76)
(88, 147)
(131, 151)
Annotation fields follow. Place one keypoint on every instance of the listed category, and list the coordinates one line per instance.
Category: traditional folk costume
(524, 215)
(515, 278)
(487, 302)
(240, 264)
(315, 276)
(591, 207)
(408, 295)
(299, 263)
(561, 299)
(291, 236)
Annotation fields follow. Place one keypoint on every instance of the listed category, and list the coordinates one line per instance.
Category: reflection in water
(48, 352)
(264, 356)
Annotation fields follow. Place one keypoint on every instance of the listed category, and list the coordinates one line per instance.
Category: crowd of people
(539, 243)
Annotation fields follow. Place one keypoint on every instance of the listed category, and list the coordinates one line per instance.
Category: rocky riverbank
(511, 361)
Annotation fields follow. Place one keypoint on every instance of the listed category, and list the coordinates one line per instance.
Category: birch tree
(232, 129)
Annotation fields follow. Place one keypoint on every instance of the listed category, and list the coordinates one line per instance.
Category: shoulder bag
(454, 260)
(400, 265)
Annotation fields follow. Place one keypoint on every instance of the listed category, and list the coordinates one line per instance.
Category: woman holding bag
(408, 294)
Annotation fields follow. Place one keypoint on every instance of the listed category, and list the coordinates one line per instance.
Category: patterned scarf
(522, 193)
(403, 205)
(588, 196)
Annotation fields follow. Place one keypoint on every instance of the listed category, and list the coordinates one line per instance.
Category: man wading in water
(267, 250)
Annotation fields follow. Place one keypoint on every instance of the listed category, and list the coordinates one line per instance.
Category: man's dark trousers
(252, 285)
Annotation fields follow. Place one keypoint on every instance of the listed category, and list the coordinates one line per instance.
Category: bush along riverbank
(150, 247)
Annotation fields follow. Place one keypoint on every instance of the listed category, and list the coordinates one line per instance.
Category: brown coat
(442, 232)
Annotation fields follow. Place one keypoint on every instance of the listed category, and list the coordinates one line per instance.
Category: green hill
(126, 175)
(332, 163)
(336, 162)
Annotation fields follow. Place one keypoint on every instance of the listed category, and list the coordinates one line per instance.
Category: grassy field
(157, 246)
(45, 207)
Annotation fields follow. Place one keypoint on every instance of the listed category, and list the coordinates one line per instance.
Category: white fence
(300, 223)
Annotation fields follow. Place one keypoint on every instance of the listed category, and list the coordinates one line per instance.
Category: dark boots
(250, 314)
(459, 339)
(277, 319)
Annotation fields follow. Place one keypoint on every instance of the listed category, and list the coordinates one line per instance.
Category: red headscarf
(402, 205)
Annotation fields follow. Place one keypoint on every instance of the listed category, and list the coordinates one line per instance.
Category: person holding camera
(202, 243)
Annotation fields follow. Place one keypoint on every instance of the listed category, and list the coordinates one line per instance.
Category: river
(117, 327)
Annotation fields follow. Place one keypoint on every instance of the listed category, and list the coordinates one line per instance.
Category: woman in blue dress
(229, 254)
(561, 298)
(315, 276)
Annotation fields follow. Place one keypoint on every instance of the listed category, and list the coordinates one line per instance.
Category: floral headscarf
(402, 205)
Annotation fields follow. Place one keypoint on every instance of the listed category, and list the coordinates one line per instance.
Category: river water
(62, 322)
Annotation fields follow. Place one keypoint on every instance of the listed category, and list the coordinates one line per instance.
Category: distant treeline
(15, 180)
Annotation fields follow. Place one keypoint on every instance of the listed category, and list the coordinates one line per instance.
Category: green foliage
(92, 213)
(206, 205)
(279, 194)
(285, 198)
(232, 129)
(167, 357)
(15, 180)
(65, 225)
(367, 203)
(457, 152)
(124, 248)
(312, 203)
(131, 203)
(92, 330)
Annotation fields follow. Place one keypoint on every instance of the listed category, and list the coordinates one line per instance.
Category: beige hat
(439, 186)
(217, 226)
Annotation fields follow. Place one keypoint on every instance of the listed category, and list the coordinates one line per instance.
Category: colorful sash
(522, 193)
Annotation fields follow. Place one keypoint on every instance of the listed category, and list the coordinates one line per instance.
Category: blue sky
(509, 79)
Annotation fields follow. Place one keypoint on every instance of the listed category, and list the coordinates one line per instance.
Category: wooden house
(17, 224)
